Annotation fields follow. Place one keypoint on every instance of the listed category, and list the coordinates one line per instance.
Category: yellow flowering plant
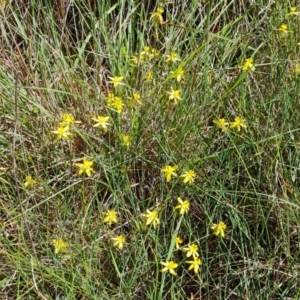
(68, 120)
(134, 99)
(119, 241)
(63, 133)
(178, 74)
(126, 140)
(293, 11)
(169, 171)
(178, 242)
(59, 245)
(248, 65)
(85, 167)
(184, 206)
(174, 95)
(101, 121)
(172, 57)
(149, 76)
(219, 229)
(151, 218)
(169, 266)
(283, 30)
(238, 123)
(115, 102)
(191, 250)
(188, 176)
(221, 124)
(116, 81)
(194, 264)
(157, 17)
(29, 182)
(110, 217)
(149, 53)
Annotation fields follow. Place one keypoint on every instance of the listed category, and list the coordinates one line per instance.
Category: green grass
(57, 59)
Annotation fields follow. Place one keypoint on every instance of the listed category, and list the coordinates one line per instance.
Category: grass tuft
(150, 150)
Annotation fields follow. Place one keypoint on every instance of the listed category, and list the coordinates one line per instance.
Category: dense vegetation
(149, 150)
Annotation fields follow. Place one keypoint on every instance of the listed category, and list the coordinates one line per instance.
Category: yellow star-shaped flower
(238, 123)
(116, 81)
(101, 121)
(184, 206)
(29, 182)
(194, 264)
(59, 245)
(219, 229)
(119, 241)
(169, 171)
(110, 217)
(248, 65)
(151, 217)
(169, 266)
(192, 250)
(85, 167)
(174, 95)
(221, 124)
(156, 16)
(188, 176)
(63, 133)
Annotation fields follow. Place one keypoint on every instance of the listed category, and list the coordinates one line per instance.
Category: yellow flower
(178, 241)
(67, 120)
(172, 57)
(149, 53)
(194, 264)
(59, 245)
(110, 217)
(135, 60)
(188, 176)
(221, 124)
(29, 182)
(219, 229)
(174, 95)
(178, 74)
(157, 16)
(184, 206)
(154, 53)
(119, 241)
(126, 140)
(149, 76)
(136, 97)
(110, 96)
(283, 30)
(192, 250)
(283, 27)
(115, 102)
(296, 69)
(63, 133)
(238, 123)
(169, 171)
(102, 122)
(146, 50)
(248, 65)
(151, 217)
(85, 167)
(116, 81)
(293, 11)
(169, 266)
